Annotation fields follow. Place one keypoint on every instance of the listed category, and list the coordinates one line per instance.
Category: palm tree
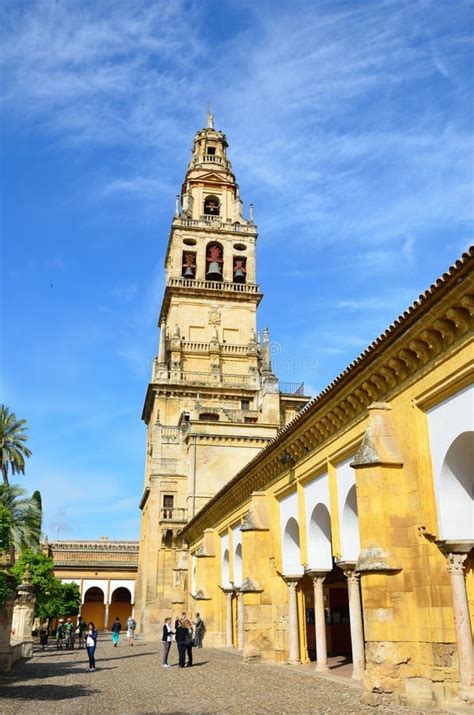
(24, 522)
(12, 443)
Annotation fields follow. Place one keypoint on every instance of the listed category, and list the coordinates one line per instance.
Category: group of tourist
(185, 638)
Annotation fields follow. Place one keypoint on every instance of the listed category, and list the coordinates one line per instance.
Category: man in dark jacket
(182, 639)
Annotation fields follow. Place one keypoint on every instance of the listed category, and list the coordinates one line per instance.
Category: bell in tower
(239, 270)
(189, 265)
(214, 260)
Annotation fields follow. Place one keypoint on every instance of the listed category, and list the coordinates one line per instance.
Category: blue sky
(350, 128)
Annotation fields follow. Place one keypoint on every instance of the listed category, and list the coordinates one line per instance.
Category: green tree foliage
(6, 525)
(53, 598)
(24, 522)
(13, 449)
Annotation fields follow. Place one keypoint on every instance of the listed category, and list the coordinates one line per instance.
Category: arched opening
(121, 606)
(291, 548)
(93, 608)
(350, 527)
(239, 270)
(188, 269)
(319, 546)
(214, 261)
(225, 569)
(238, 565)
(211, 206)
(456, 498)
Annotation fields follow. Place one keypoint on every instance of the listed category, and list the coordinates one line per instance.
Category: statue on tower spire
(210, 116)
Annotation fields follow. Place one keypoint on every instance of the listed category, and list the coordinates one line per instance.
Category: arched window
(211, 206)
(350, 526)
(319, 546)
(456, 498)
(214, 261)
(291, 548)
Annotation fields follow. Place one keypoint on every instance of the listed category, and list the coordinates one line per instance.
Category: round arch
(93, 607)
(225, 569)
(211, 206)
(350, 526)
(319, 543)
(291, 548)
(120, 605)
(214, 261)
(456, 500)
(238, 565)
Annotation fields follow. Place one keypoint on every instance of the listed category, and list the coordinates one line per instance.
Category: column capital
(353, 577)
(455, 563)
(317, 576)
(291, 582)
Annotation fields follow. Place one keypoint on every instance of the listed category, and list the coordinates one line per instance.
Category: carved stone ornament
(456, 563)
(250, 522)
(376, 559)
(248, 585)
(214, 316)
(200, 596)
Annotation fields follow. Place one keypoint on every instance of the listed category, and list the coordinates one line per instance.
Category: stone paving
(131, 681)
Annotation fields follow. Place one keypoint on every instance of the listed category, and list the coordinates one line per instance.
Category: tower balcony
(217, 223)
(249, 288)
(206, 379)
(176, 515)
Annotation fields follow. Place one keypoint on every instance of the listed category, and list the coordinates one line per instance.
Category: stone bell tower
(213, 401)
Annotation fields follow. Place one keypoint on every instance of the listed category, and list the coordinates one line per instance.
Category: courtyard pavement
(131, 681)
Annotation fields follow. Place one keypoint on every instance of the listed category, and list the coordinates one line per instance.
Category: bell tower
(213, 401)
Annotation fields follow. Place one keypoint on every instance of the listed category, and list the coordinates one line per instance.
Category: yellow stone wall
(410, 638)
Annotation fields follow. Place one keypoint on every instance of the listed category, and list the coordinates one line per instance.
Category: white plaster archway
(226, 570)
(238, 565)
(350, 526)
(319, 542)
(456, 484)
(291, 548)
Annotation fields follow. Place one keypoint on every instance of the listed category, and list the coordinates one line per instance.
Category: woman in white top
(91, 643)
(167, 637)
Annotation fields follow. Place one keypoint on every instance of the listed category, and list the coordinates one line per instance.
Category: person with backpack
(116, 628)
(131, 625)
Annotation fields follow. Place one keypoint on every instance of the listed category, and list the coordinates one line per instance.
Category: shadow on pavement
(41, 671)
(49, 693)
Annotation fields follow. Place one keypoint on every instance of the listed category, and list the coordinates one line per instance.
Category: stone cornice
(57, 547)
(438, 321)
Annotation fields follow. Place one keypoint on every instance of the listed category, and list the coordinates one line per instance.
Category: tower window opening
(209, 417)
(240, 269)
(245, 405)
(168, 503)
(189, 264)
(211, 150)
(214, 261)
(211, 206)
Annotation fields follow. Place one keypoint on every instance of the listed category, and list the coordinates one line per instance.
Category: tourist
(80, 630)
(189, 642)
(167, 637)
(199, 631)
(91, 644)
(116, 628)
(59, 634)
(177, 620)
(181, 635)
(69, 631)
(131, 625)
(44, 635)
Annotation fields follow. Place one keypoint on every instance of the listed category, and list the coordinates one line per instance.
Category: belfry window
(214, 261)
(211, 206)
(189, 264)
(239, 270)
(211, 150)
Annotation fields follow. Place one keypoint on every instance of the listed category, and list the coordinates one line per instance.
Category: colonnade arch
(93, 607)
(456, 485)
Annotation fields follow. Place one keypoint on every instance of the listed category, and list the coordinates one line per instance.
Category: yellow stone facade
(213, 401)
(351, 533)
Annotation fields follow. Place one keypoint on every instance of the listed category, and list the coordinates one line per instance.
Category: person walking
(91, 644)
(166, 638)
(44, 635)
(80, 631)
(181, 635)
(198, 631)
(131, 625)
(116, 628)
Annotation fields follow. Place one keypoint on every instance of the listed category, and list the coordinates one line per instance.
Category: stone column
(357, 631)
(320, 622)
(462, 621)
(240, 620)
(293, 636)
(228, 617)
(23, 615)
(106, 615)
